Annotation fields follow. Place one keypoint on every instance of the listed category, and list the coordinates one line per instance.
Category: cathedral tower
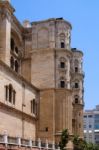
(41, 52)
(54, 72)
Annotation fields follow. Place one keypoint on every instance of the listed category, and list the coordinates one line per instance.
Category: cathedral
(41, 78)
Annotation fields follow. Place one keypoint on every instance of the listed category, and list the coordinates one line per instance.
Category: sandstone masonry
(41, 78)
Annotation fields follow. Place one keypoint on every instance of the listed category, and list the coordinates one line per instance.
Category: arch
(62, 59)
(16, 36)
(62, 78)
(62, 36)
(16, 50)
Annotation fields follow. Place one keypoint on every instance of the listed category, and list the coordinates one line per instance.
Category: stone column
(52, 34)
(5, 138)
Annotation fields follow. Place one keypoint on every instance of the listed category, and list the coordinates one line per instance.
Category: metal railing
(17, 141)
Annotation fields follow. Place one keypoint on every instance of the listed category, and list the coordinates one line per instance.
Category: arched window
(12, 62)
(16, 66)
(16, 50)
(12, 44)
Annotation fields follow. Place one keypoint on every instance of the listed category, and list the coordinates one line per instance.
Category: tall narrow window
(14, 95)
(10, 93)
(76, 64)
(76, 85)
(12, 62)
(46, 129)
(31, 106)
(76, 100)
(6, 92)
(34, 106)
(62, 84)
(16, 66)
(62, 64)
(16, 50)
(76, 69)
(12, 44)
(62, 45)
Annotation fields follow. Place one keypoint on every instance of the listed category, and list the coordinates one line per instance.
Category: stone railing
(7, 141)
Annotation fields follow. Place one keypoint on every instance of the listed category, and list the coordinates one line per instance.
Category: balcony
(7, 141)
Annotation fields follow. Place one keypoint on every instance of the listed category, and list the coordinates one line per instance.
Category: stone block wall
(16, 117)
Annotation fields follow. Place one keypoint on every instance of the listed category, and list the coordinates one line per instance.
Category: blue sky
(84, 17)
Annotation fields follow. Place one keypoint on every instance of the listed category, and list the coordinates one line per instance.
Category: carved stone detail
(4, 14)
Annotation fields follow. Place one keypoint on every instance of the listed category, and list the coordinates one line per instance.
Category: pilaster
(6, 10)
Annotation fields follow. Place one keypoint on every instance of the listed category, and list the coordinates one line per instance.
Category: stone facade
(15, 112)
(39, 63)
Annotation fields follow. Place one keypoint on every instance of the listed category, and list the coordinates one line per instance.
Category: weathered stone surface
(42, 54)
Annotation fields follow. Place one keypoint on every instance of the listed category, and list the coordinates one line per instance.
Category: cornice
(75, 50)
(38, 50)
(16, 111)
(52, 19)
(6, 4)
(56, 89)
(78, 106)
(77, 75)
(17, 23)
